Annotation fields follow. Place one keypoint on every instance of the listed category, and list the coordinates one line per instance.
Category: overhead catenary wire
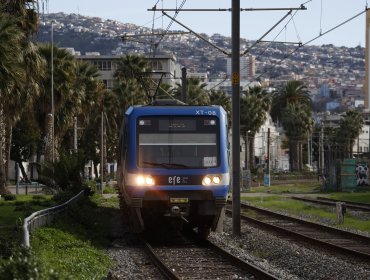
(196, 34)
(313, 39)
(171, 22)
(266, 33)
(151, 38)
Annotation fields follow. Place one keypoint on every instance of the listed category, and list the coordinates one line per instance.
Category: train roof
(172, 108)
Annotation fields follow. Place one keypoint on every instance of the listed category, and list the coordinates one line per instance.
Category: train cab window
(178, 142)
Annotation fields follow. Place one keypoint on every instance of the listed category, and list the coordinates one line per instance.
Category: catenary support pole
(268, 157)
(235, 59)
(75, 134)
(183, 85)
(102, 152)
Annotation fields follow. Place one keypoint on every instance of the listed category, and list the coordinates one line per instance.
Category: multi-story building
(162, 63)
(247, 67)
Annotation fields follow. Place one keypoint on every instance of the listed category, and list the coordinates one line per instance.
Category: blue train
(174, 164)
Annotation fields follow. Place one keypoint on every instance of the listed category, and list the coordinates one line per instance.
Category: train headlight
(216, 180)
(144, 180)
(140, 180)
(149, 180)
(206, 181)
(211, 180)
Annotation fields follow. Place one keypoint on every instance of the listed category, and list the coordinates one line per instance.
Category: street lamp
(52, 94)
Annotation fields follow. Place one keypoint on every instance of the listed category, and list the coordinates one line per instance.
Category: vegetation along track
(185, 257)
(336, 240)
(332, 202)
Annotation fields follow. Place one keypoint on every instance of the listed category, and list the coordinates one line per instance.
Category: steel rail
(346, 201)
(313, 240)
(250, 268)
(164, 269)
(349, 205)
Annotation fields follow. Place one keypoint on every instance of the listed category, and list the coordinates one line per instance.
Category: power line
(315, 38)
(171, 22)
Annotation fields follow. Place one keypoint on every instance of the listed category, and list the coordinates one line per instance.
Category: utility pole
(183, 86)
(267, 175)
(235, 64)
(75, 134)
(102, 152)
(322, 152)
(52, 95)
(308, 151)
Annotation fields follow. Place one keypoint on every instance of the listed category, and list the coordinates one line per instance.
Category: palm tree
(25, 11)
(293, 92)
(131, 67)
(65, 98)
(254, 107)
(196, 92)
(24, 17)
(349, 129)
(219, 97)
(130, 85)
(12, 76)
(293, 101)
(297, 122)
(87, 89)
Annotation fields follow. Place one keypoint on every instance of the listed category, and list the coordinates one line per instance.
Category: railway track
(189, 258)
(336, 240)
(332, 202)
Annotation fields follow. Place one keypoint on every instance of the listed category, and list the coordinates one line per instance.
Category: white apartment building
(162, 63)
(247, 67)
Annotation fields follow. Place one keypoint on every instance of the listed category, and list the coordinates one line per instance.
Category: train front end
(176, 165)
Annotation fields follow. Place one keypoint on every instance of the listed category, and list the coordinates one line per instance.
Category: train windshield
(178, 142)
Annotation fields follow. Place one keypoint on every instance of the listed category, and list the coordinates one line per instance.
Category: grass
(294, 188)
(311, 211)
(12, 213)
(363, 197)
(74, 245)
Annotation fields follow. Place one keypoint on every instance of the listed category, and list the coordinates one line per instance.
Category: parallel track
(340, 241)
(189, 258)
(332, 202)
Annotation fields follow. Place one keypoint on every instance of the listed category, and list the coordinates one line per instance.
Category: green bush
(109, 189)
(21, 264)
(64, 175)
(6, 248)
(9, 197)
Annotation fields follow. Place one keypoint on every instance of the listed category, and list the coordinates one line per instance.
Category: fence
(43, 217)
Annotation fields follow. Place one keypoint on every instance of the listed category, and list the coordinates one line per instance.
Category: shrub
(21, 264)
(9, 197)
(65, 174)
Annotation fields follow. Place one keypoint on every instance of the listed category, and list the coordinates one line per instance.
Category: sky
(305, 25)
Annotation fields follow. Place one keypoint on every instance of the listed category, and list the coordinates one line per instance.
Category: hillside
(338, 66)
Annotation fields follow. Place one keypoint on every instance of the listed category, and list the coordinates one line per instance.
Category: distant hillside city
(334, 75)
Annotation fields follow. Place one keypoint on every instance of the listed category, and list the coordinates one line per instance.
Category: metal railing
(43, 217)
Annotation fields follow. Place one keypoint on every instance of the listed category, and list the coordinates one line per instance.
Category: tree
(293, 92)
(219, 97)
(11, 79)
(26, 136)
(196, 92)
(131, 67)
(254, 107)
(82, 104)
(350, 127)
(297, 122)
(66, 101)
(292, 106)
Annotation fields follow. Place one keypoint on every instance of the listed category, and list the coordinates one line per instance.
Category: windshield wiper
(167, 165)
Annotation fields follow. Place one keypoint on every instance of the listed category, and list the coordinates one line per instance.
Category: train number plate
(176, 200)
